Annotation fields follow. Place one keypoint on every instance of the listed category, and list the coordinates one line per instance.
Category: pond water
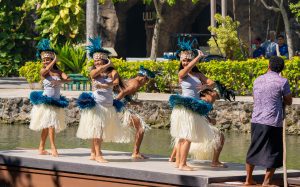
(156, 141)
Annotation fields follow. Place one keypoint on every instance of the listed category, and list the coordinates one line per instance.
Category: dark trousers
(266, 147)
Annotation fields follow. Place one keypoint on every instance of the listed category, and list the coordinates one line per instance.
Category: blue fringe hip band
(87, 101)
(37, 98)
(196, 105)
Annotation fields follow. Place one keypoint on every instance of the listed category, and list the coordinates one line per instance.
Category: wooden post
(91, 20)
(212, 13)
(224, 8)
(249, 29)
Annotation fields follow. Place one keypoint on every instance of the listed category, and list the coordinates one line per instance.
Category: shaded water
(156, 141)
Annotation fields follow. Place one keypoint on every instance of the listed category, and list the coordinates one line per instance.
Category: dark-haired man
(259, 51)
(270, 93)
(130, 117)
(282, 47)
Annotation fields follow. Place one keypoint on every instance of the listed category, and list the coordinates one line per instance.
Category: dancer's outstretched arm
(182, 73)
(95, 72)
(46, 70)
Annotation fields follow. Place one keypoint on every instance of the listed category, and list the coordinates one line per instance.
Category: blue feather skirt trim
(196, 105)
(119, 105)
(37, 98)
(87, 101)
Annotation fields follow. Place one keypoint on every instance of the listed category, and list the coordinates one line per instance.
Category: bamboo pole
(284, 146)
(284, 153)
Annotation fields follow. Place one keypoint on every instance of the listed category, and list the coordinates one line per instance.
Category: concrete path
(18, 87)
(12, 93)
(121, 165)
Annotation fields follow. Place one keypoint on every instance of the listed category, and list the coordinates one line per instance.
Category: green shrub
(227, 38)
(31, 71)
(238, 75)
(168, 70)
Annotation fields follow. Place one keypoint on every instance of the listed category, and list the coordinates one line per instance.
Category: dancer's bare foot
(93, 156)
(43, 152)
(250, 182)
(172, 159)
(218, 165)
(269, 185)
(100, 159)
(185, 168)
(138, 156)
(54, 152)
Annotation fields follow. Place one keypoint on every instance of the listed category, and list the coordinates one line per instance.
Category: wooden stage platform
(73, 168)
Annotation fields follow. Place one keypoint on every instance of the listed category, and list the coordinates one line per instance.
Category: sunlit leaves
(227, 37)
(58, 18)
(295, 8)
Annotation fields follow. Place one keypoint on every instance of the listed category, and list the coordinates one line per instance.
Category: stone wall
(234, 116)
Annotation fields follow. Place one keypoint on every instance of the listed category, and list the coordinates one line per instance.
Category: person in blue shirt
(259, 50)
(270, 45)
(283, 48)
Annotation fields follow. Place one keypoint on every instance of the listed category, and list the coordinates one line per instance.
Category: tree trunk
(286, 22)
(234, 9)
(91, 19)
(249, 30)
(288, 31)
(155, 38)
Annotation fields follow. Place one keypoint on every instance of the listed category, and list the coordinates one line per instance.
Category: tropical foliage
(14, 37)
(295, 8)
(31, 71)
(72, 58)
(227, 38)
(60, 20)
(238, 75)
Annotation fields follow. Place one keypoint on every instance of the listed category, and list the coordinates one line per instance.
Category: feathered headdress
(95, 49)
(223, 92)
(146, 72)
(186, 46)
(44, 49)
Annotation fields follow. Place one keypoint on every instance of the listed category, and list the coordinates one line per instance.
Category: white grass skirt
(127, 122)
(127, 119)
(45, 116)
(102, 122)
(191, 126)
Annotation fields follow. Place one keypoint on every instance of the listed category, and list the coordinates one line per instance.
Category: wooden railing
(78, 83)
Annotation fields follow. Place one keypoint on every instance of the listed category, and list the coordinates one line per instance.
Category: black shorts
(266, 147)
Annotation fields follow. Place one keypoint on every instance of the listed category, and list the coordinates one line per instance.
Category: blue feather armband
(196, 105)
(37, 98)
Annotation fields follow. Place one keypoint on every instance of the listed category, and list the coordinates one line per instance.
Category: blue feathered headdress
(37, 98)
(186, 46)
(196, 105)
(96, 46)
(146, 72)
(43, 45)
